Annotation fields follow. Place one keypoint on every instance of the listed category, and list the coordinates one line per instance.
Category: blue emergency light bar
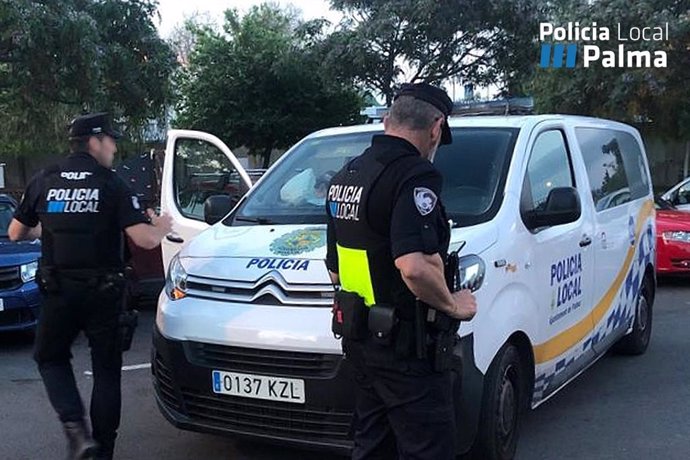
(510, 106)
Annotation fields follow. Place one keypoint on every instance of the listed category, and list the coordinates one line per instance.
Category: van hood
(303, 241)
(295, 252)
(277, 241)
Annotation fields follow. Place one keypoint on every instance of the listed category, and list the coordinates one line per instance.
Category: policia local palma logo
(562, 45)
(79, 200)
(344, 201)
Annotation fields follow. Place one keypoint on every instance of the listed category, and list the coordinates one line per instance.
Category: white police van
(242, 340)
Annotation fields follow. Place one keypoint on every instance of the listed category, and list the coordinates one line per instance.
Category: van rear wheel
(637, 341)
(505, 396)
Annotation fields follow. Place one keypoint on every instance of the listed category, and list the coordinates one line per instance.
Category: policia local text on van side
(80, 208)
(388, 238)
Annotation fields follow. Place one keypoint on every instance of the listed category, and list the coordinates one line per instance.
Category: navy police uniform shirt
(83, 209)
(386, 202)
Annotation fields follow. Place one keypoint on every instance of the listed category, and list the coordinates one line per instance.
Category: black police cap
(92, 124)
(434, 96)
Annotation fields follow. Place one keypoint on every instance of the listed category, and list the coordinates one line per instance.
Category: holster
(441, 322)
(442, 328)
(350, 316)
(441, 336)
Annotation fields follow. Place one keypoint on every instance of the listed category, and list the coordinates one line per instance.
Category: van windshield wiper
(255, 220)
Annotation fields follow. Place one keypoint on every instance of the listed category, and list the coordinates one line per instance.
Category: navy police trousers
(404, 410)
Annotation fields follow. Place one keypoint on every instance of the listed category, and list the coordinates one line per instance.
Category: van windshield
(474, 167)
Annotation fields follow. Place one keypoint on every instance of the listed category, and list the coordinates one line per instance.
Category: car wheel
(505, 397)
(637, 341)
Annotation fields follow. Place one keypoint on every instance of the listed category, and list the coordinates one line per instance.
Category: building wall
(666, 161)
(19, 170)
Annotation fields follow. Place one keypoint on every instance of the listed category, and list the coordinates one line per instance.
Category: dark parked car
(19, 295)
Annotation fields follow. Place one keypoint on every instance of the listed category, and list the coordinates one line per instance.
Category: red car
(672, 239)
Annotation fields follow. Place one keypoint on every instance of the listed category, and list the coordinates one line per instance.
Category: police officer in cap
(388, 236)
(81, 210)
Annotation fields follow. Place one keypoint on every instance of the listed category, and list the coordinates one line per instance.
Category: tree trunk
(389, 97)
(686, 163)
(266, 154)
(21, 160)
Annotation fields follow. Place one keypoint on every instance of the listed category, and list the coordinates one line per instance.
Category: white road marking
(132, 367)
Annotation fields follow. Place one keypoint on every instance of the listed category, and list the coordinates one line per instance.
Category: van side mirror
(216, 207)
(562, 206)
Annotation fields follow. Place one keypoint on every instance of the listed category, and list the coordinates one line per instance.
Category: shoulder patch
(425, 200)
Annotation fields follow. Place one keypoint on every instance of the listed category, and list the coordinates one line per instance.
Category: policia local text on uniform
(80, 210)
(388, 236)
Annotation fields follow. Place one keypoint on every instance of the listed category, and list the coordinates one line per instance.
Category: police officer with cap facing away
(81, 210)
(388, 237)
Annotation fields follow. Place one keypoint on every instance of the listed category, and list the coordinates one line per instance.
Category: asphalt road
(623, 407)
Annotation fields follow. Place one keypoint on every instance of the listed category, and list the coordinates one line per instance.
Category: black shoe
(81, 446)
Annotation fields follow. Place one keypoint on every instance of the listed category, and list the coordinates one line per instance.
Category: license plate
(258, 386)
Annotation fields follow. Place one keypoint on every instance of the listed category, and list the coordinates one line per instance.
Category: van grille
(271, 418)
(253, 416)
(271, 289)
(271, 362)
(166, 389)
(10, 278)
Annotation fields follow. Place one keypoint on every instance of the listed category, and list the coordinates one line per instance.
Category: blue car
(19, 295)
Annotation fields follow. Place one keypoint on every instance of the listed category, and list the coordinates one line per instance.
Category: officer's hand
(465, 305)
(162, 222)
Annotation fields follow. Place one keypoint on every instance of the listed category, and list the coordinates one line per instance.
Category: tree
(384, 42)
(658, 98)
(183, 37)
(261, 84)
(59, 58)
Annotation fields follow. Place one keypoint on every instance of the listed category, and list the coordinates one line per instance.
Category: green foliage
(656, 97)
(384, 42)
(261, 83)
(59, 58)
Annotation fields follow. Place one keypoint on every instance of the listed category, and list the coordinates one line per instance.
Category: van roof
(490, 121)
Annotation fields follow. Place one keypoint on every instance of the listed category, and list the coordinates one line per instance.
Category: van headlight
(176, 281)
(28, 271)
(471, 270)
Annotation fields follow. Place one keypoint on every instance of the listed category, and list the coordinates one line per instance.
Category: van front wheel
(502, 406)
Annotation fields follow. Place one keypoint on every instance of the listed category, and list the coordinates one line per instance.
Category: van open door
(197, 166)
